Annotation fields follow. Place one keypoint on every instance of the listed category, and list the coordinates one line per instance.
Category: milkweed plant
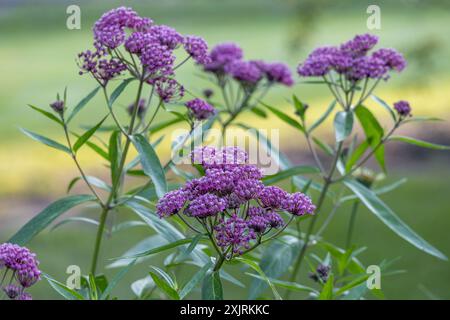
(223, 213)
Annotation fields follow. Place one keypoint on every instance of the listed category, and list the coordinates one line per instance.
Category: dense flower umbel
(221, 55)
(233, 199)
(352, 60)
(246, 72)
(23, 265)
(197, 48)
(151, 45)
(200, 109)
(403, 108)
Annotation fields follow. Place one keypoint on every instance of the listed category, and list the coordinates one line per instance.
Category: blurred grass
(38, 59)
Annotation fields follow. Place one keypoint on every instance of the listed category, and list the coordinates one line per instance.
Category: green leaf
(390, 219)
(323, 117)
(356, 282)
(165, 283)
(151, 164)
(116, 280)
(185, 253)
(162, 125)
(114, 154)
(275, 262)
(47, 216)
(384, 104)
(373, 131)
(46, 141)
(354, 265)
(85, 137)
(294, 171)
(324, 146)
(196, 279)
(343, 125)
(255, 266)
(159, 249)
(420, 143)
(93, 294)
(92, 180)
(212, 287)
(422, 119)
(284, 117)
(299, 107)
(62, 289)
(75, 219)
(327, 290)
(259, 112)
(293, 286)
(97, 149)
(356, 155)
(82, 103)
(118, 91)
(49, 115)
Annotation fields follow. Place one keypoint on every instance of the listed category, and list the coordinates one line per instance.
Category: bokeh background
(38, 58)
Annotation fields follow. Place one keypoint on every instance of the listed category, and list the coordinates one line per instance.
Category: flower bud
(58, 106)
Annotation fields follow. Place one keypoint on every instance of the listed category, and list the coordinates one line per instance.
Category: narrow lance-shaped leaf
(195, 280)
(47, 216)
(151, 164)
(114, 154)
(85, 137)
(323, 117)
(255, 266)
(116, 280)
(327, 290)
(48, 114)
(284, 117)
(294, 171)
(419, 143)
(164, 282)
(82, 103)
(384, 104)
(212, 287)
(46, 141)
(118, 91)
(374, 132)
(275, 262)
(343, 125)
(390, 219)
(62, 289)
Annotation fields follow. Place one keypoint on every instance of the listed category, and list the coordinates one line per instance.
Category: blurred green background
(38, 58)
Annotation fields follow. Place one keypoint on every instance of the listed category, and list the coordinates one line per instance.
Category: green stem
(310, 230)
(351, 224)
(115, 183)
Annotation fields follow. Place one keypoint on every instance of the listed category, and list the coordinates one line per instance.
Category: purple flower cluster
(352, 60)
(100, 66)
(403, 108)
(234, 233)
(246, 72)
(231, 192)
(24, 267)
(226, 59)
(197, 48)
(168, 89)
(153, 45)
(200, 109)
